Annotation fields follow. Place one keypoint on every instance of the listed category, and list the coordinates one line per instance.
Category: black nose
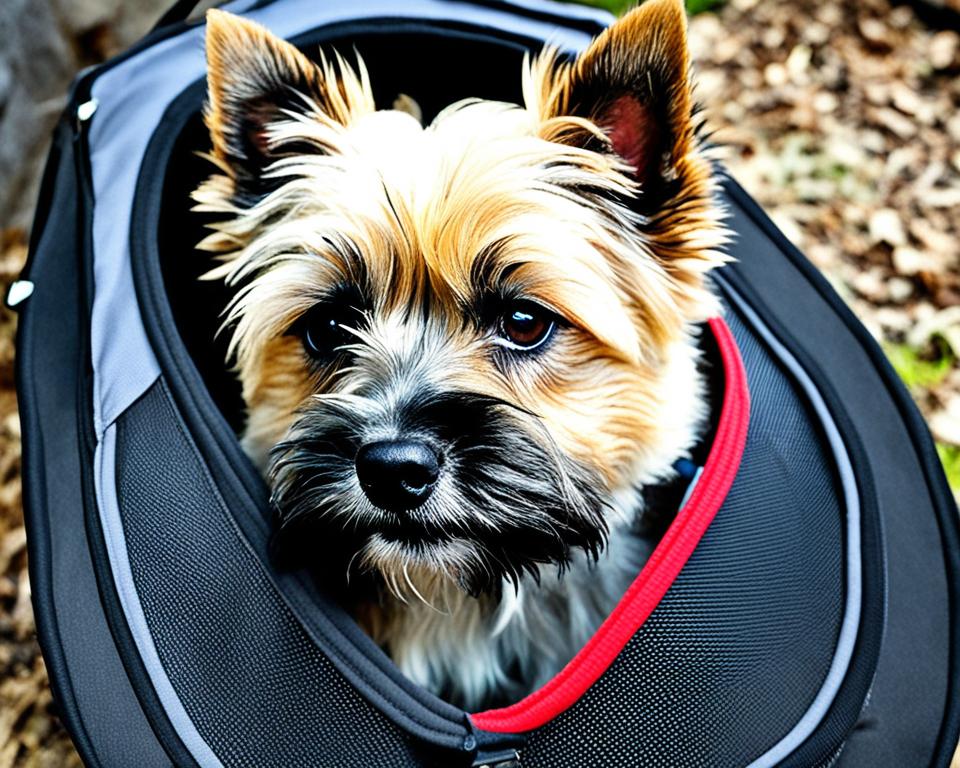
(397, 474)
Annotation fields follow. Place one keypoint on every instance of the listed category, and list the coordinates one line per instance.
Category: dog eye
(323, 328)
(525, 325)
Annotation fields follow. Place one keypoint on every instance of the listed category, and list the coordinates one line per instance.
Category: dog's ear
(256, 81)
(633, 83)
(629, 95)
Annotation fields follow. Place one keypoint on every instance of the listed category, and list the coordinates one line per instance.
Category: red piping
(660, 571)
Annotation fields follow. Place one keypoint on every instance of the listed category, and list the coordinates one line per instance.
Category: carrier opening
(405, 63)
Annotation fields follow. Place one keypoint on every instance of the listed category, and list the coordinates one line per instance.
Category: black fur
(499, 464)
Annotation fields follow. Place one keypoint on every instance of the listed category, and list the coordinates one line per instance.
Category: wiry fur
(592, 199)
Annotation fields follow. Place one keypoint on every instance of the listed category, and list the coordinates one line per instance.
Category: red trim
(669, 557)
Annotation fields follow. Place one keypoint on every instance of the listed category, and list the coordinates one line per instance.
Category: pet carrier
(801, 610)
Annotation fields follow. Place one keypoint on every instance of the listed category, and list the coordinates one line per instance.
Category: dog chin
(425, 569)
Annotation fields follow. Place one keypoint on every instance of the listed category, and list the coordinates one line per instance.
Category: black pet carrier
(801, 610)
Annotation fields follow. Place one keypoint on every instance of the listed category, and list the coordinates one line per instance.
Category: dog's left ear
(632, 83)
(257, 81)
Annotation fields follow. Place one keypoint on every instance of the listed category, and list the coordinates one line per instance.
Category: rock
(886, 227)
(872, 141)
(797, 64)
(900, 17)
(931, 176)
(941, 198)
(83, 15)
(944, 323)
(903, 127)
(776, 74)
(944, 49)
(816, 33)
(909, 261)
(825, 102)
(813, 189)
(899, 289)
(905, 99)
(11, 425)
(42, 50)
(933, 239)
(773, 37)
(953, 126)
(875, 32)
(871, 285)
(893, 320)
(877, 93)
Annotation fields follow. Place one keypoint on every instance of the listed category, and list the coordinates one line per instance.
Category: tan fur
(488, 195)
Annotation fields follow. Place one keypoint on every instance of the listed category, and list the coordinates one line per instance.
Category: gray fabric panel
(260, 689)
(132, 98)
(94, 699)
(909, 694)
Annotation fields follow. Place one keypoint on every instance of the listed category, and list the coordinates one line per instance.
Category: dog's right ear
(257, 81)
(632, 82)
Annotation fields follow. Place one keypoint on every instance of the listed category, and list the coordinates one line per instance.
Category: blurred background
(841, 117)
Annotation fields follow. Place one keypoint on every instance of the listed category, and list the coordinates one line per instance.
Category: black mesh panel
(252, 681)
(738, 648)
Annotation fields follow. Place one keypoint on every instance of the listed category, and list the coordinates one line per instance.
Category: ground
(841, 117)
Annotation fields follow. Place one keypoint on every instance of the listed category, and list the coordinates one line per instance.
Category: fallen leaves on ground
(843, 120)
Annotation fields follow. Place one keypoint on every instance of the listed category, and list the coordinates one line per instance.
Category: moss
(699, 6)
(618, 7)
(950, 457)
(920, 369)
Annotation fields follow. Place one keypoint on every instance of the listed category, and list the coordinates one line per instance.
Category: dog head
(461, 345)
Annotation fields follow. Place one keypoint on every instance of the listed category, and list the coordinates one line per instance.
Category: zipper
(493, 750)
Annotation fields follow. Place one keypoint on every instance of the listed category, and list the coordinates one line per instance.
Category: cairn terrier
(465, 347)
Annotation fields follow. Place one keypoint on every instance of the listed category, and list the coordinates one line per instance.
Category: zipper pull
(507, 758)
(492, 750)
